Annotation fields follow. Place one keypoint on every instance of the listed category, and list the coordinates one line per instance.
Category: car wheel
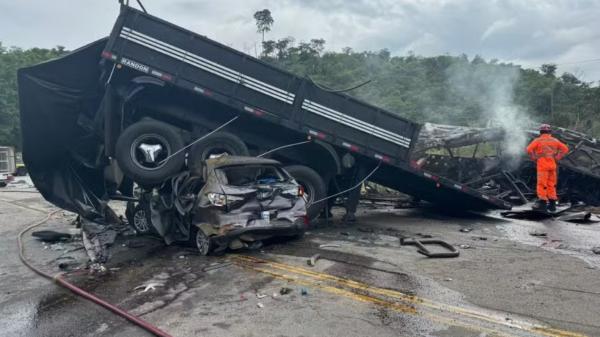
(139, 220)
(145, 151)
(203, 243)
(314, 188)
(216, 144)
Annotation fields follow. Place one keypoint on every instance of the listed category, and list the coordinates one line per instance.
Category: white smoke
(492, 88)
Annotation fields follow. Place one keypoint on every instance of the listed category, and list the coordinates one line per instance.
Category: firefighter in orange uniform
(546, 151)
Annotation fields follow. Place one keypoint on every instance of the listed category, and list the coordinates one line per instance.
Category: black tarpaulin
(58, 102)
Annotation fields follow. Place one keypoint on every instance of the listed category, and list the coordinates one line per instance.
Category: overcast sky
(521, 31)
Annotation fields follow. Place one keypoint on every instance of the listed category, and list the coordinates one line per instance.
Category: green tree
(548, 69)
(264, 21)
(268, 47)
(445, 89)
(12, 59)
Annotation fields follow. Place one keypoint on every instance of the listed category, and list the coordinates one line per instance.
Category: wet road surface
(506, 283)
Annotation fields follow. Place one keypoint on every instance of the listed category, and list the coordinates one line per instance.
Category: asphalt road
(505, 282)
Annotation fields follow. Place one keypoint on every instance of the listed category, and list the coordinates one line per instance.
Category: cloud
(496, 27)
(527, 32)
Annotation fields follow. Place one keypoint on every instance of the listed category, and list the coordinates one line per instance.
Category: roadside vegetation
(12, 59)
(423, 89)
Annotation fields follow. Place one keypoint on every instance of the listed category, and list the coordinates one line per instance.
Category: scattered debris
(217, 266)
(57, 246)
(463, 246)
(51, 236)
(313, 260)
(97, 268)
(448, 279)
(149, 286)
(329, 245)
(285, 290)
(96, 240)
(538, 233)
(259, 295)
(530, 213)
(260, 305)
(480, 238)
(466, 229)
(452, 252)
(577, 217)
(596, 250)
(135, 244)
(275, 295)
(424, 236)
(304, 292)
(68, 266)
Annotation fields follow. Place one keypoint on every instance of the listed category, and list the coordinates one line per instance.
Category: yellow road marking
(386, 292)
(363, 287)
(369, 299)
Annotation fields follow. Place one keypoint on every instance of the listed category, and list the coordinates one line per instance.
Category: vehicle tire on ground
(203, 243)
(314, 188)
(139, 219)
(215, 144)
(160, 141)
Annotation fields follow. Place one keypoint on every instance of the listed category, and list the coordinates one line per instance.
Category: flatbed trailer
(155, 69)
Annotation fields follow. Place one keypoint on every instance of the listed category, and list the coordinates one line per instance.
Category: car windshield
(251, 175)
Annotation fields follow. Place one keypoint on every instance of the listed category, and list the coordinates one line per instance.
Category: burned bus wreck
(478, 158)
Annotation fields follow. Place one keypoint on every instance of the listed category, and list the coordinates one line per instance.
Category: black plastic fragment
(452, 251)
(51, 236)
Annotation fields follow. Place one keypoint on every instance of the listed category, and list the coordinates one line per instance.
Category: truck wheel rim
(140, 222)
(202, 242)
(140, 160)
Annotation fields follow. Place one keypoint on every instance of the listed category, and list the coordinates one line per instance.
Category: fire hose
(60, 280)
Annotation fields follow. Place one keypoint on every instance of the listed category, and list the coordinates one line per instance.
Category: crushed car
(226, 202)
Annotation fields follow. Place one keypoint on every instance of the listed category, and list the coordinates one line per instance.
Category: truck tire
(217, 143)
(314, 188)
(161, 141)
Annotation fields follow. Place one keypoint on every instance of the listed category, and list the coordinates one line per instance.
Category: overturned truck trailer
(134, 107)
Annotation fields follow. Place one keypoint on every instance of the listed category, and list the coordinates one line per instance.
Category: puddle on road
(26, 317)
(561, 237)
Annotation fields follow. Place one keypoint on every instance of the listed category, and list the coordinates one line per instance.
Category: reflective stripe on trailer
(355, 123)
(206, 65)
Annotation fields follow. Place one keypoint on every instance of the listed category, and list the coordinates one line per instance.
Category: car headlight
(221, 200)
